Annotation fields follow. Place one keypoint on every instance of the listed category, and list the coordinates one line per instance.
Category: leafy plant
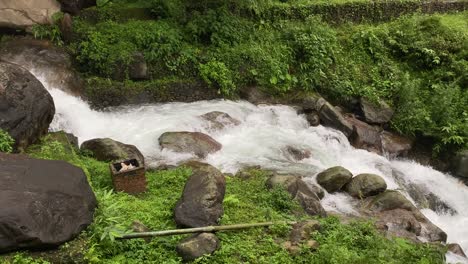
(6, 142)
(216, 74)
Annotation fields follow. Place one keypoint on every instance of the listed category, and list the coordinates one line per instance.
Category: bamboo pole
(199, 230)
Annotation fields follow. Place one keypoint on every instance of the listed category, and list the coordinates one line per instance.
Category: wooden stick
(199, 230)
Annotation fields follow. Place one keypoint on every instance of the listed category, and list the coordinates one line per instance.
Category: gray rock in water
(106, 149)
(366, 184)
(456, 249)
(395, 145)
(198, 245)
(201, 203)
(44, 202)
(219, 120)
(26, 108)
(334, 178)
(459, 164)
(393, 200)
(189, 142)
(313, 118)
(297, 154)
(331, 117)
(376, 113)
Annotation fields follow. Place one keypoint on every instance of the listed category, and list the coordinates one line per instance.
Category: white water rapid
(260, 139)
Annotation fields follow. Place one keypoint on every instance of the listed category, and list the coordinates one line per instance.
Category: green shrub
(217, 74)
(6, 142)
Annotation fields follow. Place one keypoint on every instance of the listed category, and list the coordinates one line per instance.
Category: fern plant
(6, 142)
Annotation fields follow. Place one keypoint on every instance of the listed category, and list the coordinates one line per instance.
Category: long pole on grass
(199, 230)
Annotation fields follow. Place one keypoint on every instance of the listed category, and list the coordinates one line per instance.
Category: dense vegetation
(6, 142)
(417, 63)
(246, 201)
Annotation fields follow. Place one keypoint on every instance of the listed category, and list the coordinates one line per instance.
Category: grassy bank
(246, 201)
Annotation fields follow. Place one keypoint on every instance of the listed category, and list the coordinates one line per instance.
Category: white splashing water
(260, 139)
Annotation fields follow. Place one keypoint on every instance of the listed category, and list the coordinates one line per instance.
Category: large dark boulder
(106, 149)
(74, 6)
(198, 245)
(334, 178)
(376, 113)
(201, 203)
(366, 184)
(44, 203)
(26, 108)
(395, 145)
(189, 142)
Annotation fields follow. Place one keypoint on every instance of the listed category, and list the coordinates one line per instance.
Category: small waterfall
(260, 139)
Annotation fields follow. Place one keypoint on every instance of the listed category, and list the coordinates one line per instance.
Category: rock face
(106, 149)
(398, 216)
(376, 113)
(365, 185)
(334, 178)
(460, 164)
(74, 6)
(41, 56)
(44, 203)
(22, 14)
(197, 246)
(218, 120)
(297, 154)
(26, 108)
(456, 249)
(201, 203)
(395, 145)
(308, 195)
(331, 117)
(189, 142)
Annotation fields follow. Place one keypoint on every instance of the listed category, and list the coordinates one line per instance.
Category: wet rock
(456, 249)
(54, 63)
(305, 193)
(459, 164)
(198, 245)
(189, 142)
(365, 185)
(22, 14)
(331, 117)
(256, 96)
(297, 154)
(75, 6)
(400, 223)
(219, 120)
(424, 198)
(392, 200)
(395, 145)
(334, 178)
(106, 149)
(201, 203)
(26, 108)
(376, 113)
(365, 136)
(52, 200)
(313, 118)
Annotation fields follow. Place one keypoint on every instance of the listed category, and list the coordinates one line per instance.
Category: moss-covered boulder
(365, 185)
(334, 178)
(198, 245)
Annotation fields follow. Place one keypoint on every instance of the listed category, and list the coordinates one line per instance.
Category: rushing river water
(261, 139)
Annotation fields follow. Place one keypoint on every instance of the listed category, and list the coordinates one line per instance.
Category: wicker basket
(131, 181)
